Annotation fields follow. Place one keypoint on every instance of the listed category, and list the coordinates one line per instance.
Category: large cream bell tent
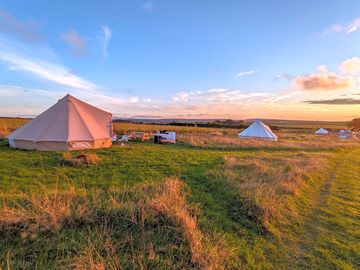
(70, 124)
(258, 130)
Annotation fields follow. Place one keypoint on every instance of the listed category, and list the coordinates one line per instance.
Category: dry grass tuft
(172, 202)
(79, 160)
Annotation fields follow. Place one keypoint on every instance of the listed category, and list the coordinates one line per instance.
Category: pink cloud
(320, 81)
(23, 30)
(76, 43)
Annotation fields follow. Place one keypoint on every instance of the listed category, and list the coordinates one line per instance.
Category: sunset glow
(150, 59)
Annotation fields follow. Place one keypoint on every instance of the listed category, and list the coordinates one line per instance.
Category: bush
(354, 124)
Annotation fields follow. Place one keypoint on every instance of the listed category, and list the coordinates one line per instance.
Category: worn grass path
(331, 233)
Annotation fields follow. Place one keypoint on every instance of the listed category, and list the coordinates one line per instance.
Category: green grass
(318, 225)
(330, 238)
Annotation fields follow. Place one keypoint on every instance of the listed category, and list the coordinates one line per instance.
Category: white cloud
(244, 73)
(353, 26)
(107, 34)
(348, 28)
(350, 66)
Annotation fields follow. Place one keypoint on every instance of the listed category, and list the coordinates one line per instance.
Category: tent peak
(68, 97)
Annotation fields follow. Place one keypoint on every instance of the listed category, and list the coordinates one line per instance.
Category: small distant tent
(258, 130)
(70, 124)
(321, 131)
(345, 134)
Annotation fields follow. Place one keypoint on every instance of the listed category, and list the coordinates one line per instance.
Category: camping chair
(124, 138)
(143, 136)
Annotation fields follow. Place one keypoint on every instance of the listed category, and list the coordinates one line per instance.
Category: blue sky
(183, 59)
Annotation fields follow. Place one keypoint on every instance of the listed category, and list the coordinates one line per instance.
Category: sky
(183, 59)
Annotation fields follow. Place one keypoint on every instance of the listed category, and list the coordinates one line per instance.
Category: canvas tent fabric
(258, 130)
(345, 134)
(70, 124)
(321, 131)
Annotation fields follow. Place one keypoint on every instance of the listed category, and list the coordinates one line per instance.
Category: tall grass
(50, 211)
(263, 182)
(129, 228)
(172, 203)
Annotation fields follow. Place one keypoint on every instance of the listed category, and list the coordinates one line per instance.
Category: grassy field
(211, 201)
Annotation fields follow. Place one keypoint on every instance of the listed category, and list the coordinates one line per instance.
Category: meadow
(210, 201)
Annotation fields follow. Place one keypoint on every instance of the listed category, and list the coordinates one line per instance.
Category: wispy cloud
(15, 96)
(107, 34)
(244, 73)
(353, 26)
(24, 30)
(148, 5)
(76, 42)
(284, 76)
(32, 101)
(217, 95)
(45, 70)
(49, 70)
(10, 90)
(15, 90)
(346, 28)
(336, 101)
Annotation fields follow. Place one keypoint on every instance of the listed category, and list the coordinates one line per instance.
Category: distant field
(211, 201)
(308, 124)
(126, 128)
(7, 125)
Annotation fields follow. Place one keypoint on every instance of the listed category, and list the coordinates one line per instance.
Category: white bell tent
(258, 130)
(321, 131)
